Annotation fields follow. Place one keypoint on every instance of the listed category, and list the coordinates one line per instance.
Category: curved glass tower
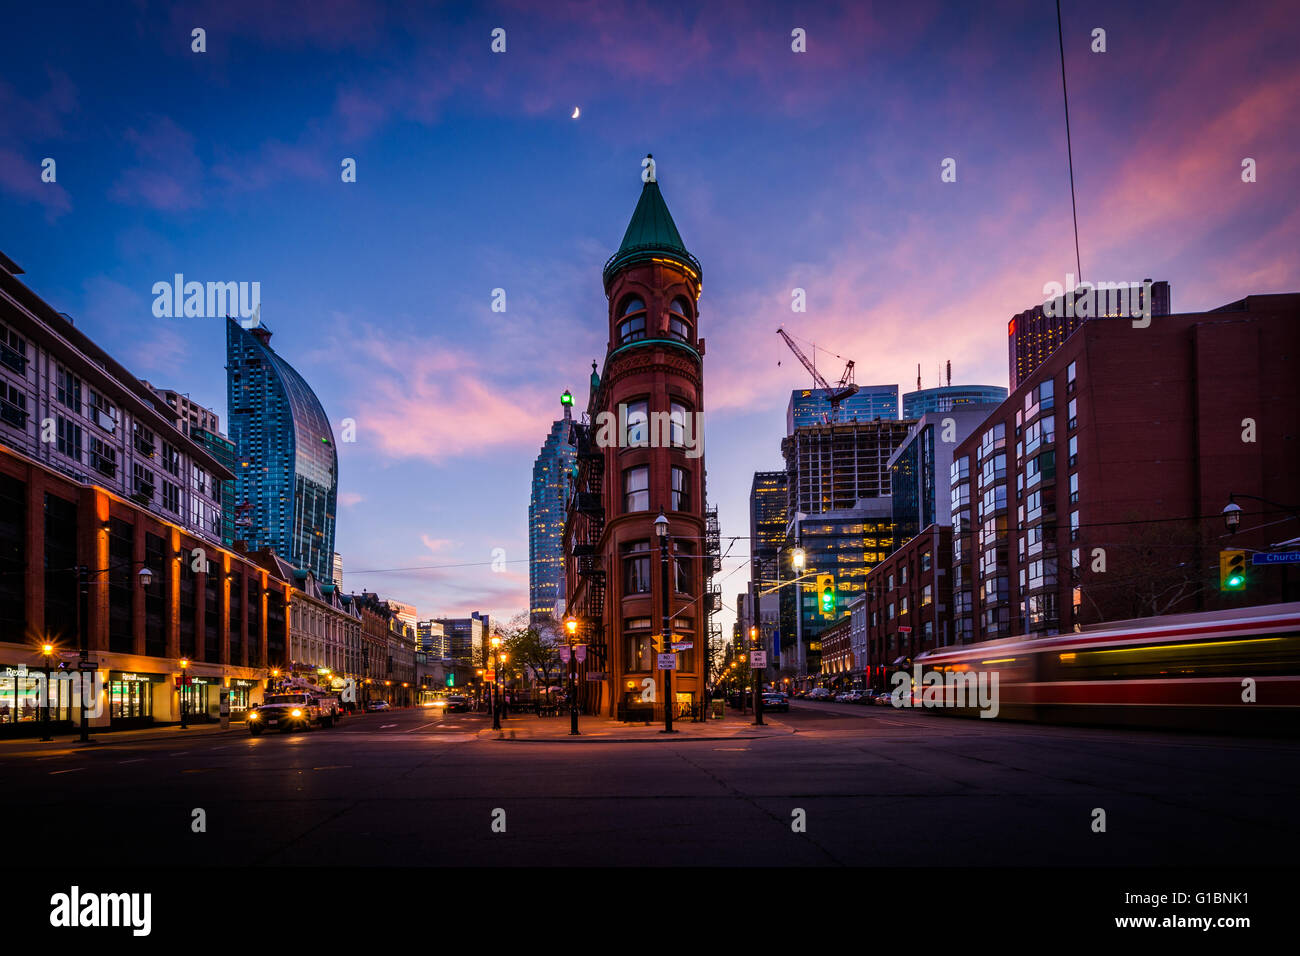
(286, 463)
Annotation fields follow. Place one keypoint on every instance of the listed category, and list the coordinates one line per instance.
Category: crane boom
(834, 394)
(803, 358)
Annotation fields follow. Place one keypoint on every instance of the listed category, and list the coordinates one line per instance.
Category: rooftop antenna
(950, 373)
(918, 376)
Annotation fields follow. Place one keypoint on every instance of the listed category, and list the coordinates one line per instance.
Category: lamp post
(571, 626)
(661, 530)
(1232, 513)
(46, 650)
(758, 683)
(496, 695)
(84, 574)
(185, 663)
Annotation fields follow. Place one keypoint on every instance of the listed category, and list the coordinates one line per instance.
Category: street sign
(682, 645)
(1275, 557)
(85, 665)
(757, 659)
(668, 662)
(491, 675)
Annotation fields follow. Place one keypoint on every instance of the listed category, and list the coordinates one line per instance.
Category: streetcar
(1232, 671)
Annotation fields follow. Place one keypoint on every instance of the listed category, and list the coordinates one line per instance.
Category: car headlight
(296, 712)
(254, 715)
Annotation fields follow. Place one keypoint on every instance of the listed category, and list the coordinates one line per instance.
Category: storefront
(21, 698)
(130, 698)
(241, 698)
(202, 698)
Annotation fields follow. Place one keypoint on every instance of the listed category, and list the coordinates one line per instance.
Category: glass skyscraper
(948, 397)
(286, 464)
(808, 406)
(546, 513)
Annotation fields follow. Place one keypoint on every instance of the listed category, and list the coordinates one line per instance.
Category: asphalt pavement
(830, 784)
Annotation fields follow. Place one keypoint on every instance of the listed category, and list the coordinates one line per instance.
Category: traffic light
(826, 594)
(1232, 570)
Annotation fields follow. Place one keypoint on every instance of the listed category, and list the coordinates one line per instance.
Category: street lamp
(661, 531)
(758, 696)
(46, 650)
(571, 626)
(184, 683)
(496, 693)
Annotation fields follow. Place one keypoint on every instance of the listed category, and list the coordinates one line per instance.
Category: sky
(817, 170)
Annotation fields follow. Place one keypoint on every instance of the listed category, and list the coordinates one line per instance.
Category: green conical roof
(651, 232)
(652, 224)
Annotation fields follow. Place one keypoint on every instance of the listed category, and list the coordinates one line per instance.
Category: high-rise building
(1033, 335)
(653, 379)
(431, 639)
(338, 570)
(464, 638)
(808, 406)
(768, 518)
(949, 397)
(918, 469)
(832, 467)
(1096, 491)
(546, 513)
(286, 475)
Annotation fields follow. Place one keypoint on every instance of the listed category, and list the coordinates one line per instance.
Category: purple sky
(817, 170)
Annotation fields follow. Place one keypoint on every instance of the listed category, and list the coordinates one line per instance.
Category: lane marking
(386, 726)
(73, 770)
(337, 766)
(421, 727)
(135, 760)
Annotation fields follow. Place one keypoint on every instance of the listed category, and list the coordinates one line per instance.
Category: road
(876, 787)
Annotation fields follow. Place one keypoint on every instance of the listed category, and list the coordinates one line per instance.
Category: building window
(638, 419)
(68, 391)
(902, 574)
(1070, 371)
(142, 439)
(69, 438)
(632, 328)
(683, 561)
(681, 489)
(200, 480)
(103, 457)
(171, 459)
(102, 411)
(677, 423)
(171, 497)
(1074, 526)
(1073, 423)
(1074, 488)
(13, 406)
(925, 561)
(636, 489)
(1074, 450)
(13, 350)
(927, 595)
(679, 320)
(636, 568)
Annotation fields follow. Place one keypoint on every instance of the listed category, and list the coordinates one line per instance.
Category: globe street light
(184, 683)
(46, 650)
(661, 531)
(571, 626)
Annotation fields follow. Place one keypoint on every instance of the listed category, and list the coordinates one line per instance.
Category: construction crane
(834, 393)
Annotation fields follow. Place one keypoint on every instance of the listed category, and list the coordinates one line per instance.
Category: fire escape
(713, 603)
(587, 512)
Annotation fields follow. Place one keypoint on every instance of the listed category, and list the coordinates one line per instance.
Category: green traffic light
(1236, 580)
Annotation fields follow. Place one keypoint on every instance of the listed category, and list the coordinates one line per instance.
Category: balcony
(105, 466)
(13, 359)
(13, 415)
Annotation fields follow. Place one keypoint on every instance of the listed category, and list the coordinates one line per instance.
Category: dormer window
(679, 317)
(632, 328)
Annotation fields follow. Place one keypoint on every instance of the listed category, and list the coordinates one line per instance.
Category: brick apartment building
(1096, 490)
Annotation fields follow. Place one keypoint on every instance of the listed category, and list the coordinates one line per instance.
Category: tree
(1151, 569)
(532, 646)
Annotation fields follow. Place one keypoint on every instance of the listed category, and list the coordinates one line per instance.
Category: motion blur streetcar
(1196, 671)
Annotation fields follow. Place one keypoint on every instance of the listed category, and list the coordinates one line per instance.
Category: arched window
(632, 328)
(679, 316)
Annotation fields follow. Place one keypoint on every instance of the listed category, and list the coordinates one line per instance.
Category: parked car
(882, 697)
(373, 705)
(776, 702)
(286, 712)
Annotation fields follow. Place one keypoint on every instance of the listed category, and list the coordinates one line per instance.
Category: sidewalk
(70, 742)
(604, 730)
